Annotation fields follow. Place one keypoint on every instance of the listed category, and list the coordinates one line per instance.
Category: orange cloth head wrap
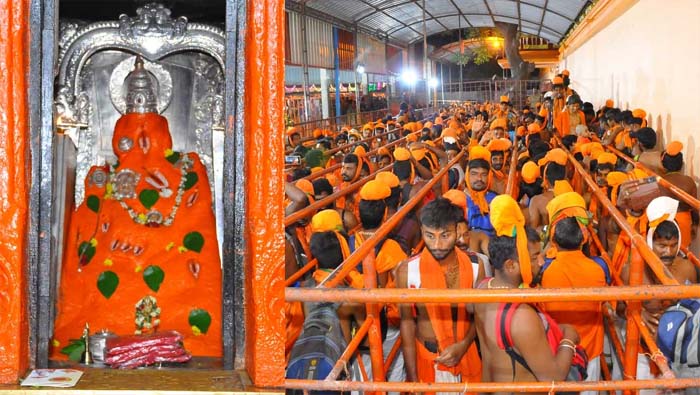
(508, 220)
(505, 99)
(458, 198)
(479, 152)
(498, 145)
(418, 153)
(499, 122)
(534, 128)
(674, 148)
(530, 172)
(388, 178)
(561, 187)
(375, 190)
(607, 158)
(558, 156)
(568, 204)
(326, 221)
(402, 154)
(449, 133)
(558, 81)
(609, 103)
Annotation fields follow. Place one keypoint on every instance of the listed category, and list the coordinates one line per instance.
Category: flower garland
(153, 217)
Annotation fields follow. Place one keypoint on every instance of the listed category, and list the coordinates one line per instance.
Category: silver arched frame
(58, 102)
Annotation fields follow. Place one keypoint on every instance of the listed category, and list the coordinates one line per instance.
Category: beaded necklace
(153, 218)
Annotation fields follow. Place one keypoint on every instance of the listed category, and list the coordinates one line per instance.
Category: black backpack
(318, 347)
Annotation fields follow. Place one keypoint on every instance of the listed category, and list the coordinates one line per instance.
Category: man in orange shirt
(570, 268)
(566, 121)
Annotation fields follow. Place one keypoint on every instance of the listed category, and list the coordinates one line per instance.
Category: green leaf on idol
(85, 252)
(148, 197)
(201, 319)
(153, 276)
(107, 283)
(193, 241)
(93, 203)
(191, 178)
(173, 158)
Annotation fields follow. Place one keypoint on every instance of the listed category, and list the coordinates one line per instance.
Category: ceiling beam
(459, 12)
(486, 3)
(431, 16)
(390, 16)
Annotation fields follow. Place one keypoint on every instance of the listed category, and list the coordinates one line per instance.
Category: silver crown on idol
(141, 90)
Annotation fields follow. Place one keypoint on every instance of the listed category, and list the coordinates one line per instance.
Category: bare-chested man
(528, 336)
(649, 156)
(664, 239)
(438, 340)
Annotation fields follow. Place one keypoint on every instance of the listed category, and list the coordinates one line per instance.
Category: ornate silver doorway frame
(55, 120)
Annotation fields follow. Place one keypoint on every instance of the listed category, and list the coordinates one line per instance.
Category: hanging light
(360, 68)
(409, 77)
(433, 83)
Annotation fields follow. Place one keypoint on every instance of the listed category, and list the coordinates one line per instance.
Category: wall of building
(648, 58)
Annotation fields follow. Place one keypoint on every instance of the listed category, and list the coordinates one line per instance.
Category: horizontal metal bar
(385, 295)
(515, 387)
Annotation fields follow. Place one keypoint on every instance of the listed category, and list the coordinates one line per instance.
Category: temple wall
(648, 58)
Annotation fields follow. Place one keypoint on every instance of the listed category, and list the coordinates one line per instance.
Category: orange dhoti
(431, 372)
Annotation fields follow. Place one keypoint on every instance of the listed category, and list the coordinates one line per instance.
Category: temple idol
(141, 253)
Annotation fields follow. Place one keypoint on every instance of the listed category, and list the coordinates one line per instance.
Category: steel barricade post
(634, 309)
(350, 350)
(376, 353)
(512, 172)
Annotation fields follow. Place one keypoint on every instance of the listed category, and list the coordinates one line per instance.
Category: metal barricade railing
(335, 123)
(519, 91)
(354, 120)
(373, 297)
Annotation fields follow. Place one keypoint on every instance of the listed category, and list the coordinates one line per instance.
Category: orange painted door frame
(14, 188)
(264, 127)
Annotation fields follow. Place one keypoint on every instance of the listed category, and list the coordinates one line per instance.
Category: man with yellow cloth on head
(330, 248)
(388, 254)
(531, 354)
(571, 268)
(479, 180)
